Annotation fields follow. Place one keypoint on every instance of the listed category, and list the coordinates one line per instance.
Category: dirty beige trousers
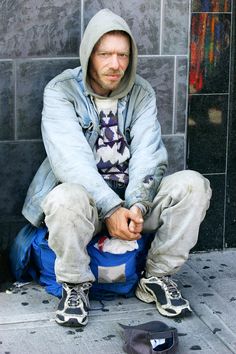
(178, 209)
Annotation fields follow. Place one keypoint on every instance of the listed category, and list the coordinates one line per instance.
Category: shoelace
(78, 293)
(171, 287)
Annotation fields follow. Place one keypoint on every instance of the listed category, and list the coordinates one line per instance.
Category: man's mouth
(113, 77)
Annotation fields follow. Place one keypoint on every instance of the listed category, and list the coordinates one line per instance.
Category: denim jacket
(70, 128)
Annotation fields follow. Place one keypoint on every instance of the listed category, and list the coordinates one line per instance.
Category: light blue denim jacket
(70, 127)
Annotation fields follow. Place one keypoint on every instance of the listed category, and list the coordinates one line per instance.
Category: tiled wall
(209, 111)
(40, 39)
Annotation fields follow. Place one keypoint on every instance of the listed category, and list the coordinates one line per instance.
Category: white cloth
(117, 246)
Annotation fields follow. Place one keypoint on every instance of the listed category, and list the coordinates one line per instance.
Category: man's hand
(135, 226)
(118, 224)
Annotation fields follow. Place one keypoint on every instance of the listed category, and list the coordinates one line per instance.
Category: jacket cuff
(112, 211)
(107, 204)
(142, 207)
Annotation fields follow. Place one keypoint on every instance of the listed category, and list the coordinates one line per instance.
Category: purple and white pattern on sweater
(111, 150)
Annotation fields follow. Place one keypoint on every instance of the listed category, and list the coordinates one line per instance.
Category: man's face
(108, 62)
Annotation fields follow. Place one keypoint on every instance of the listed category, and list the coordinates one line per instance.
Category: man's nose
(114, 62)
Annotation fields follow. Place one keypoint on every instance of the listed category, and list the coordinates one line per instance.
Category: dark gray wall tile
(230, 224)
(175, 148)
(18, 164)
(230, 231)
(207, 133)
(8, 232)
(232, 132)
(29, 28)
(181, 94)
(32, 77)
(5, 275)
(211, 230)
(175, 27)
(6, 100)
(159, 71)
(142, 16)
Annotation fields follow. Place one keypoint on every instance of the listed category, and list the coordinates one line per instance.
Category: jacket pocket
(86, 125)
(127, 136)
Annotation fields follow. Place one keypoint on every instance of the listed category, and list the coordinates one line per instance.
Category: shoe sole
(142, 295)
(72, 322)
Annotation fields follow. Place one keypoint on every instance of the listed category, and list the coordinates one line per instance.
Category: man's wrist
(142, 207)
(110, 212)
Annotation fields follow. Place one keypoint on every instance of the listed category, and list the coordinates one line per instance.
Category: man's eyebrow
(110, 51)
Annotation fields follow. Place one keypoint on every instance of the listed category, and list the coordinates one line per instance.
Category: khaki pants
(178, 209)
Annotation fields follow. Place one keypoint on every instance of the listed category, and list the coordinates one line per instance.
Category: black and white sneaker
(74, 305)
(164, 292)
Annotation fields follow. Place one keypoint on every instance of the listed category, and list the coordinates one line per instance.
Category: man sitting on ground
(105, 166)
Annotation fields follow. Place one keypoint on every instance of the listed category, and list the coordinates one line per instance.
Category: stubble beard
(106, 84)
(101, 82)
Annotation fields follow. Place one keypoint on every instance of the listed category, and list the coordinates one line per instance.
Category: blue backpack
(32, 258)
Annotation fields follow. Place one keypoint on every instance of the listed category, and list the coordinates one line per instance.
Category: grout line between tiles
(174, 97)
(15, 98)
(161, 25)
(82, 19)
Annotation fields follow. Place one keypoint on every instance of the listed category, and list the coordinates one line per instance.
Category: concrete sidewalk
(208, 280)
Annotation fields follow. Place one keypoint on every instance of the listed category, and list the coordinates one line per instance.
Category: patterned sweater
(111, 149)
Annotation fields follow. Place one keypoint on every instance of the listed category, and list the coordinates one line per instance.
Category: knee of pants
(67, 195)
(193, 182)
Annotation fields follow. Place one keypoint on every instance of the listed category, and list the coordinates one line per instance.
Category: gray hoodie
(105, 21)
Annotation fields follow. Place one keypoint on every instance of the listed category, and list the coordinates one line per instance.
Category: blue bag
(20, 253)
(116, 274)
(43, 258)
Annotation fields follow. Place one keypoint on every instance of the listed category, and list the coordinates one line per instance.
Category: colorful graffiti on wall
(211, 5)
(209, 52)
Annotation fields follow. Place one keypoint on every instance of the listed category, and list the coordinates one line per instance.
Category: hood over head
(105, 21)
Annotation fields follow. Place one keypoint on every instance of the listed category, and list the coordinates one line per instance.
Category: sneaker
(73, 308)
(164, 292)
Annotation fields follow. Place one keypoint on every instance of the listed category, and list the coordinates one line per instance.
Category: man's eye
(104, 55)
(123, 55)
